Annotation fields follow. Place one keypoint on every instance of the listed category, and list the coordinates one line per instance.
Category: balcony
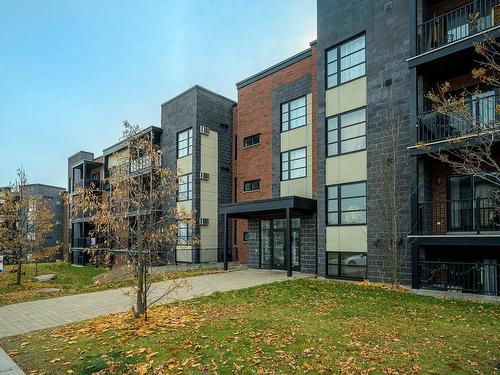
(457, 24)
(477, 278)
(86, 183)
(476, 216)
(86, 242)
(480, 115)
(140, 164)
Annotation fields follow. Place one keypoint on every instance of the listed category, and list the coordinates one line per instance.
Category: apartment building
(54, 198)
(374, 61)
(196, 141)
(291, 177)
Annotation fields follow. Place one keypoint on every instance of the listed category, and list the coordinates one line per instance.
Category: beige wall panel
(350, 238)
(346, 168)
(209, 197)
(345, 97)
(185, 165)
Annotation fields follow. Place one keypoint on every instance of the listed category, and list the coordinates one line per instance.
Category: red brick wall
(440, 7)
(253, 116)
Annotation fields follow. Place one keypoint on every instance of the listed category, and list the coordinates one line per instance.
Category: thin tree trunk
(19, 270)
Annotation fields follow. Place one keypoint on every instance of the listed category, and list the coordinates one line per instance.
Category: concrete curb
(8, 366)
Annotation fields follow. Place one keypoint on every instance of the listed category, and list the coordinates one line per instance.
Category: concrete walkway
(35, 315)
(8, 366)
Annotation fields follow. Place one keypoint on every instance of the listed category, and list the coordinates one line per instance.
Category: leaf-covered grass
(302, 326)
(70, 280)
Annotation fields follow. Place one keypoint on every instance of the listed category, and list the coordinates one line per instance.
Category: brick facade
(257, 114)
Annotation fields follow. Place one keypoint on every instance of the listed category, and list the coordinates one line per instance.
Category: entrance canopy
(244, 210)
(287, 206)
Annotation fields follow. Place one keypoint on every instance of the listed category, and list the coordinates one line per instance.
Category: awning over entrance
(285, 205)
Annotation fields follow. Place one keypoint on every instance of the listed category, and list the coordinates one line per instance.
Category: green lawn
(70, 280)
(302, 326)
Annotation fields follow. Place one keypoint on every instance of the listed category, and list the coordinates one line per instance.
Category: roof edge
(275, 68)
(111, 148)
(197, 87)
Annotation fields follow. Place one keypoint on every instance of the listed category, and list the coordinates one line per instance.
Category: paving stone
(35, 315)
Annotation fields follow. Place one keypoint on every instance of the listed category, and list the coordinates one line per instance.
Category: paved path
(35, 315)
(8, 366)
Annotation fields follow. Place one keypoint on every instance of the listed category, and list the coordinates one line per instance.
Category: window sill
(346, 82)
(293, 179)
(345, 153)
(251, 191)
(298, 127)
(247, 147)
(346, 225)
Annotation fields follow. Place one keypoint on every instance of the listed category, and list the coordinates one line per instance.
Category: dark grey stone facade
(387, 48)
(308, 250)
(191, 109)
(54, 197)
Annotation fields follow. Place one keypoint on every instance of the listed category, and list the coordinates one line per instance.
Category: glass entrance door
(272, 244)
(279, 249)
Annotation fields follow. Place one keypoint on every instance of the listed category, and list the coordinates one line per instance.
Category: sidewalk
(8, 366)
(35, 315)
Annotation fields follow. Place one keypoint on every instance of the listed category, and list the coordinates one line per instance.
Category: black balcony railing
(86, 242)
(479, 114)
(478, 278)
(87, 183)
(459, 23)
(464, 215)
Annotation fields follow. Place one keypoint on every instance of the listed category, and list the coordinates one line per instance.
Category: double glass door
(272, 244)
(471, 200)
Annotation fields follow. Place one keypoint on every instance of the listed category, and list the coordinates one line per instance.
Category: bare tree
(471, 123)
(139, 215)
(25, 219)
(391, 201)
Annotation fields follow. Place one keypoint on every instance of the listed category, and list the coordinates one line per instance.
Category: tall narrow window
(346, 132)
(345, 62)
(346, 204)
(185, 187)
(184, 233)
(184, 143)
(294, 164)
(293, 114)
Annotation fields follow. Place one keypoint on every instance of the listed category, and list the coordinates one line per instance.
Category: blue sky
(72, 71)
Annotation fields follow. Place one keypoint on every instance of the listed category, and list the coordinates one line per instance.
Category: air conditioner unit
(204, 130)
(203, 221)
(204, 176)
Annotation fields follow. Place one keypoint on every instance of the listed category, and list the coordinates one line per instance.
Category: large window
(293, 114)
(253, 185)
(345, 62)
(346, 133)
(346, 204)
(346, 265)
(293, 164)
(185, 187)
(184, 234)
(251, 141)
(185, 143)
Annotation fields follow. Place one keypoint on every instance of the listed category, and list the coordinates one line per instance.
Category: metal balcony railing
(143, 163)
(479, 114)
(457, 24)
(465, 215)
(478, 278)
(86, 242)
(86, 183)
